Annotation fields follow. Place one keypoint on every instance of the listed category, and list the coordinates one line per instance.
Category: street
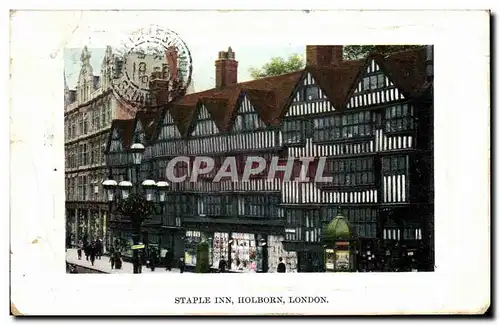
(104, 265)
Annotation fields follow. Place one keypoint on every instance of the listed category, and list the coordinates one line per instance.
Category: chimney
(226, 69)
(323, 55)
(429, 62)
(158, 86)
(171, 57)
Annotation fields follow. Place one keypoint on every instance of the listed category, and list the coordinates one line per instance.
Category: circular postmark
(151, 68)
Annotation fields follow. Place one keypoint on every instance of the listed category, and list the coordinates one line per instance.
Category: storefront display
(219, 248)
(337, 260)
(193, 238)
(342, 260)
(243, 253)
(275, 251)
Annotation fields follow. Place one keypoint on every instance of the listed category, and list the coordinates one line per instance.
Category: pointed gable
(374, 87)
(204, 124)
(168, 128)
(247, 118)
(120, 135)
(309, 98)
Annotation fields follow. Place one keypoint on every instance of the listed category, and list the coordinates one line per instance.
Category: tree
(295, 62)
(202, 258)
(354, 52)
(277, 66)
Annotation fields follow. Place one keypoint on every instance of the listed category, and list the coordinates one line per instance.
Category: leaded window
(293, 229)
(395, 165)
(213, 205)
(292, 131)
(375, 81)
(308, 93)
(399, 118)
(363, 221)
(248, 121)
(312, 226)
(352, 172)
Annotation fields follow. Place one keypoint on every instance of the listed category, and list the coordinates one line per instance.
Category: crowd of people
(93, 250)
(151, 258)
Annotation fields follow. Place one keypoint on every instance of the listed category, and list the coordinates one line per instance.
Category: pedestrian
(222, 265)
(93, 252)
(99, 248)
(168, 260)
(118, 261)
(152, 260)
(281, 266)
(86, 249)
(181, 265)
(79, 246)
(112, 261)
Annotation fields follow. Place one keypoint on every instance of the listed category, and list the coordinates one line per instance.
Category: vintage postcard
(250, 162)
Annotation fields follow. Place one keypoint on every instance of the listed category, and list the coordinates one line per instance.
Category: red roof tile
(271, 96)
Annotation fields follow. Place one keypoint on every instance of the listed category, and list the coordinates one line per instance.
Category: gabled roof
(406, 69)
(148, 121)
(125, 129)
(271, 97)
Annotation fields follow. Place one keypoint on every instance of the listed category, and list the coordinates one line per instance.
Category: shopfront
(277, 250)
(244, 252)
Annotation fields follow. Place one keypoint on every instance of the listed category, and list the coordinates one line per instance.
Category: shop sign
(141, 246)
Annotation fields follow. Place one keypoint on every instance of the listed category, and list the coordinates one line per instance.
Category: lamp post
(129, 200)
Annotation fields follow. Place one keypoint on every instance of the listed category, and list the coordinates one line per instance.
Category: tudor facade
(373, 126)
(377, 149)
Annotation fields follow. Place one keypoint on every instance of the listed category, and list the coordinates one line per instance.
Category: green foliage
(277, 66)
(136, 207)
(202, 258)
(354, 52)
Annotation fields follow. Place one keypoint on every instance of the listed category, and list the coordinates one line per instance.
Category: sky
(254, 37)
(251, 55)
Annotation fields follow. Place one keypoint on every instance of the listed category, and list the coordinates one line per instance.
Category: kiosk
(339, 244)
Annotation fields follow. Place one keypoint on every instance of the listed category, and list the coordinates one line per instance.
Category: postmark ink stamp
(150, 54)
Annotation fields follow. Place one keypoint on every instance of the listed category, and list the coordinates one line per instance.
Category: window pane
(373, 82)
(366, 83)
(405, 110)
(312, 93)
(380, 81)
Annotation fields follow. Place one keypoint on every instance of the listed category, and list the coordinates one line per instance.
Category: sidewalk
(104, 265)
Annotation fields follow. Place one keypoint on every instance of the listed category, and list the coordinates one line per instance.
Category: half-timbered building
(371, 119)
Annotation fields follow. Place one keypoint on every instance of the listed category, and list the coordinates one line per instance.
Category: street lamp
(133, 202)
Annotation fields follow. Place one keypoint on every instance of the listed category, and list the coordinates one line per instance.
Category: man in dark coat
(86, 249)
(281, 266)
(169, 257)
(222, 265)
(152, 260)
(181, 265)
(99, 247)
(93, 252)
